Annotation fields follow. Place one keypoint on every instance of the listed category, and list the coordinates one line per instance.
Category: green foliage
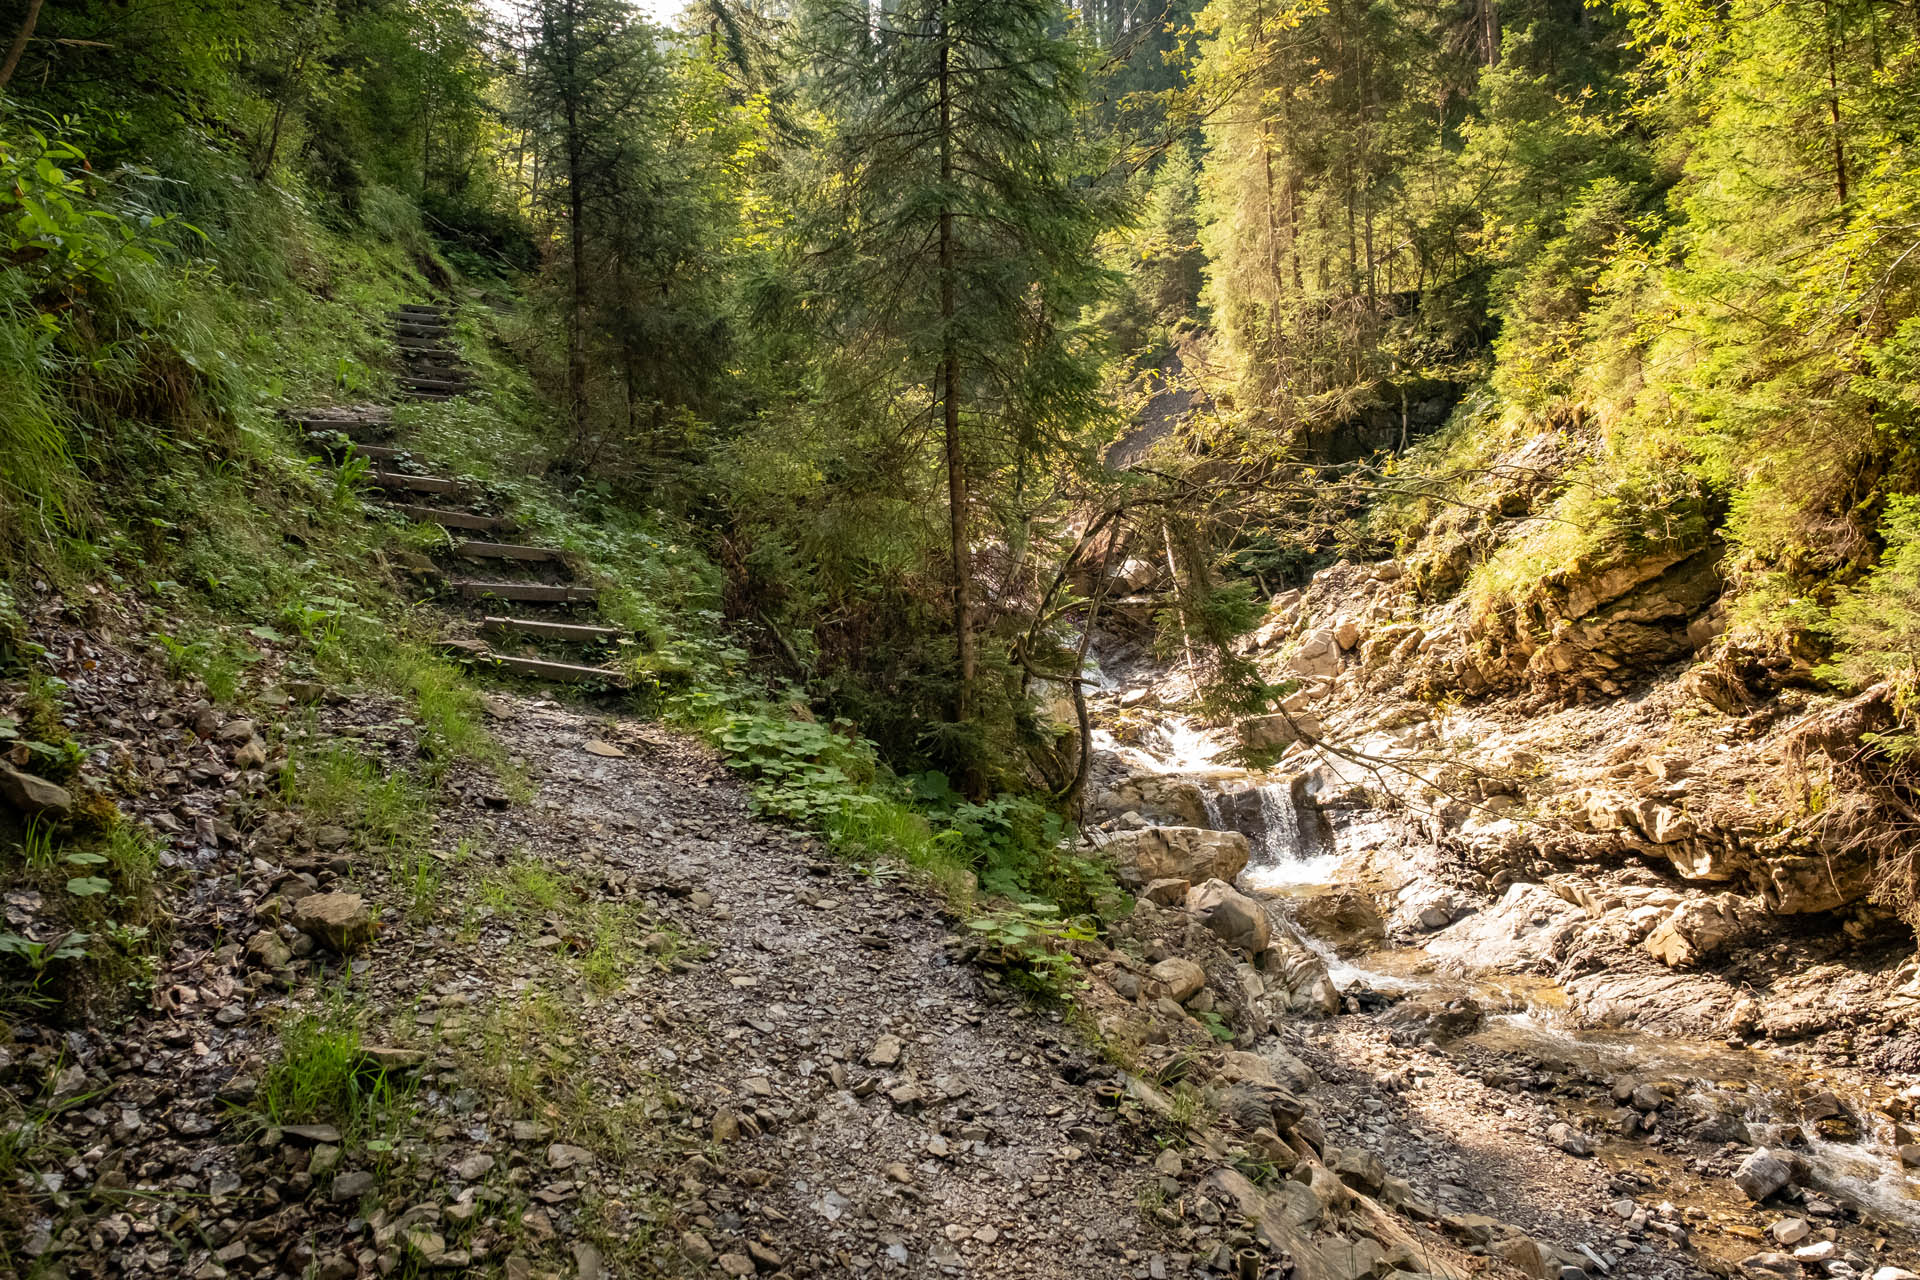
(1028, 940)
(1876, 625)
(335, 783)
(323, 1077)
(802, 770)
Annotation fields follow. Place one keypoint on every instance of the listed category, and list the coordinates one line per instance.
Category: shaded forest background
(867, 301)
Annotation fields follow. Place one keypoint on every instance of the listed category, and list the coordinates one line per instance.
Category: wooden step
(414, 484)
(419, 308)
(539, 592)
(372, 452)
(429, 395)
(457, 519)
(449, 385)
(506, 551)
(565, 672)
(344, 422)
(406, 330)
(426, 347)
(541, 629)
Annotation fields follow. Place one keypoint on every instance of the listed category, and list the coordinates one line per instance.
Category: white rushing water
(1291, 849)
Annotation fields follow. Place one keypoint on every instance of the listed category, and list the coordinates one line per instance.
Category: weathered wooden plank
(544, 630)
(506, 551)
(540, 592)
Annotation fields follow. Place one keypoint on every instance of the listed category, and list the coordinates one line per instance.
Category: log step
(540, 592)
(544, 630)
(344, 423)
(506, 551)
(449, 385)
(406, 330)
(567, 672)
(372, 452)
(457, 519)
(422, 308)
(415, 484)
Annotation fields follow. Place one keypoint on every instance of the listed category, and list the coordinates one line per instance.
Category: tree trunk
(576, 235)
(950, 399)
(1833, 106)
(19, 47)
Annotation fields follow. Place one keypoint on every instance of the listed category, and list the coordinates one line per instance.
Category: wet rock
(1193, 854)
(1761, 1175)
(1234, 918)
(1181, 978)
(34, 796)
(1344, 917)
(1436, 1017)
(340, 921)
(1569, 1140)
(1158, 797)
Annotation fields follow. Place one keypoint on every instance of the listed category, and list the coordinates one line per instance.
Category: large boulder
(34, 797)
(1282, 729)
(1798, 884)
(1761, 1174)
(1695, 930)
(1318, 654)
(339, 921)
(1235, 919)
(1180, 978)
(1157, 797)
(1301, 976)
(1343, 917)
(1193, 854)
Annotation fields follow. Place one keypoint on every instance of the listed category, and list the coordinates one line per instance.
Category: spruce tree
(958, 240)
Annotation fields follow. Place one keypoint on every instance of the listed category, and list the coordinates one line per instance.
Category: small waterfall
(1216, 813)
(1291, 846)
(1282, 838)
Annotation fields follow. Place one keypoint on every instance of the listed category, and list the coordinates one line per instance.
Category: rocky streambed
(1506, 1052)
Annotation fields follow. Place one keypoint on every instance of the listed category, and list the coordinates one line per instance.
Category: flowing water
(1293, 856)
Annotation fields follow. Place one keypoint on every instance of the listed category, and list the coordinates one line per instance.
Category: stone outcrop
(1281, 729)
(1183, 853)
(339, 921)
(1235, 919)
(32, 796)
(1157, 797)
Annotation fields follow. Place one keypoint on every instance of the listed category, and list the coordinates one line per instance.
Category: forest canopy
(927, 314)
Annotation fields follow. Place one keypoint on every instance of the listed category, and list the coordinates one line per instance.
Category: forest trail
(747, 1056)
(789, 1068)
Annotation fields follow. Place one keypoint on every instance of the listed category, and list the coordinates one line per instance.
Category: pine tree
(959, 239)
(591, 68)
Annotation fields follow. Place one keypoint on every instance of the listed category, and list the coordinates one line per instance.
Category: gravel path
(839, 1095)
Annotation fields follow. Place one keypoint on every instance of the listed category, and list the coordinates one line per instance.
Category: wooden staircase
(536, 578)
